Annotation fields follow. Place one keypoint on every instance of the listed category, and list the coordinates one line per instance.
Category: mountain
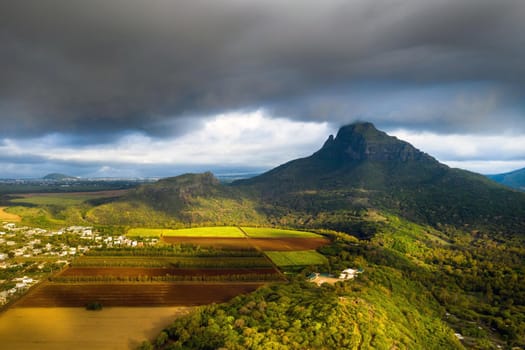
(360, 170)
(364, 168)
(180, 201)
(514, 179)
(59, 177)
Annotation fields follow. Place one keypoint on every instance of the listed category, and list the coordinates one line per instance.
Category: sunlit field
(218, 231)
(5, 216)
(77, 328)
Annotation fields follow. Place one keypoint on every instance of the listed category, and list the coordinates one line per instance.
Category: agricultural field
(218, 243)
(288, 244)
(296, 258)
(134, 294)
(217, 231)
(268, 232)
(171, 261)
(9, 217)
(64, 199)
(75, 328)
(76, 274)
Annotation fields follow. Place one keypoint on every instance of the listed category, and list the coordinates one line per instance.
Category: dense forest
(420, 285)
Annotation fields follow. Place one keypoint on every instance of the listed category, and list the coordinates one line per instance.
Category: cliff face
(362, 141)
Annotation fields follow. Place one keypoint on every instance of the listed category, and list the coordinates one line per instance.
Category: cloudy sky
(160, 87)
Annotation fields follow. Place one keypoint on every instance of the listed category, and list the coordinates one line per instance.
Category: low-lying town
(28, 254)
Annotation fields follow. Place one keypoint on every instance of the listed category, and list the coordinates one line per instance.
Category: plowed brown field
(284, 244)
(288, 244)
(154, 272)
(133, 294)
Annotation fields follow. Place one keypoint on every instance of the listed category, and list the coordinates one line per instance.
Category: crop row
(247, 277)
(208, 262)
(134, 294)
(177, 250)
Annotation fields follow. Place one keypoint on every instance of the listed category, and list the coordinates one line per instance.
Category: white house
(348, 274)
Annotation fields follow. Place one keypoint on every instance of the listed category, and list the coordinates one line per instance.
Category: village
(28, 254)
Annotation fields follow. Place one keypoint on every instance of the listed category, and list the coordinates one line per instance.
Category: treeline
(186, 250)
(226, 262)
(247, 277)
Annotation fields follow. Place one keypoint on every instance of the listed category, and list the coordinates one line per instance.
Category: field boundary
(265, 256)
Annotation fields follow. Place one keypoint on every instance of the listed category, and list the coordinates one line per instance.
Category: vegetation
(296, 258)
(269, 232)
(217, 231)
(370, 313)
(170, 261)
(442, 250)
(94, 306)
(62, 199)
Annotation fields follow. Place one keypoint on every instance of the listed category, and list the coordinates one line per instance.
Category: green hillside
(363, 168)
(186, 200)
(419, 286)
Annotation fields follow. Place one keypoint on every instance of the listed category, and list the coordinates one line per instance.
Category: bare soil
(283, 244)
(133, 294)
(155, 272)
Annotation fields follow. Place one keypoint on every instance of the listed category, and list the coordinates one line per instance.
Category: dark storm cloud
(100, 66)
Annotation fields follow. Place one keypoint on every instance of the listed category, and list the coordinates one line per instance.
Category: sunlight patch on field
(5, 216)
(76, 328)
(218, 231)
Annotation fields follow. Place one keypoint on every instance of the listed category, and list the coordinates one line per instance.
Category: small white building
(349, 274)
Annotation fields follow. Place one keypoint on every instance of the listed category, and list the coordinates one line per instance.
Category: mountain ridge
(514, 179)
(363, 167)
(358, 170)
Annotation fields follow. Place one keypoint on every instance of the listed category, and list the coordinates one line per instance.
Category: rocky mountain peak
(362, 141)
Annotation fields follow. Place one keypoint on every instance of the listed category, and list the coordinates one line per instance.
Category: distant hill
(180, 201)
(59, 177)
(363, 167)
(514, 179)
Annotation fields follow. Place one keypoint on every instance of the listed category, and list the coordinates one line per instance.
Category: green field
(62, 199)
(297, 258)
(218, 231)
(268, 232)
